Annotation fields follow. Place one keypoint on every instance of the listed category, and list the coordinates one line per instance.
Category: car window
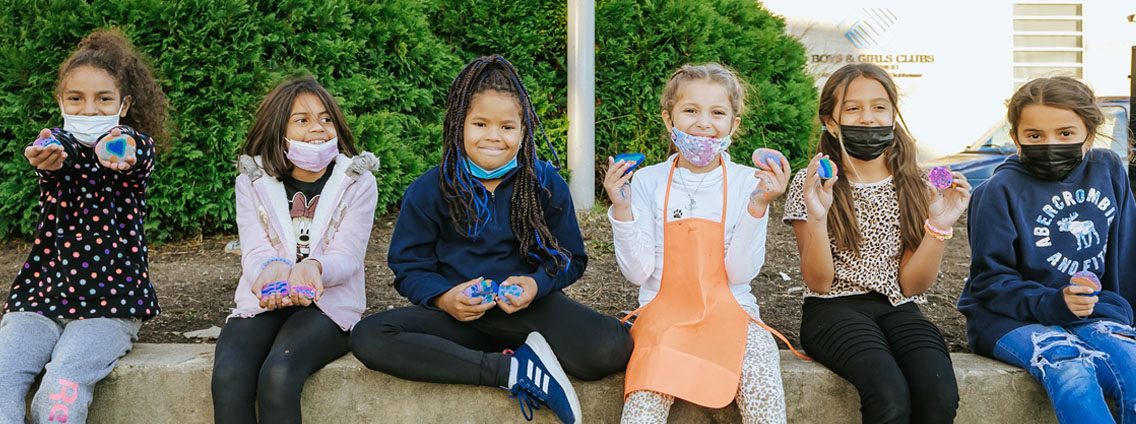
(996, 140)
(1112, 134)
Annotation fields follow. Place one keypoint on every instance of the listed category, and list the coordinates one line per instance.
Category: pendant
(690, 206)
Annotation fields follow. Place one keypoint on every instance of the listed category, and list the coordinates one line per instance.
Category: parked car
(978, 161)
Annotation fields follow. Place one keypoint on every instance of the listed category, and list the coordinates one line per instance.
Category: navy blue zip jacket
(429, 256)
(1028, 236)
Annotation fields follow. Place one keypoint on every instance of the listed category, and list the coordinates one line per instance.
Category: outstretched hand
(116, 151)
(46, 158)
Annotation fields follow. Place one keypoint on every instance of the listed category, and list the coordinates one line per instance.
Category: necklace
(690, 194)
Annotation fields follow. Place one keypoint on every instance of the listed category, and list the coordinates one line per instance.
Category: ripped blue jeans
(1078, 365)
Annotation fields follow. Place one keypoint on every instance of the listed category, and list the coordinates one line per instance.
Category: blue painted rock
(513, 290)
(486, 290)
(762, 157)
(827, 169)
(636, 158)
(118, 148)
(44, 142)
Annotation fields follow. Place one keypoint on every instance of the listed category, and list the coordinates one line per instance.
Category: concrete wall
(170, 383)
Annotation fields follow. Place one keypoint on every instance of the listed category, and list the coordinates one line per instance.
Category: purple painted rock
(305, 291)
(1087, 279)
(762, 155)
(279, 287)
(941, 178)
(44, 142)
(486, 290)
(827, 169)
(513, 290)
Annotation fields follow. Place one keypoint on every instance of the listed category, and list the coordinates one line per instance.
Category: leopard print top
(876, 267)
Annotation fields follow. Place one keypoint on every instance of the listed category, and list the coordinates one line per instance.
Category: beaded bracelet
(942, 235)
(275, 259)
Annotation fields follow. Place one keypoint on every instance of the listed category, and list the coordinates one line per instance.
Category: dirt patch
(195, 281)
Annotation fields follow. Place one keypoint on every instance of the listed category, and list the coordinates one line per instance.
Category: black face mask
(867, 143)
(1051, 162)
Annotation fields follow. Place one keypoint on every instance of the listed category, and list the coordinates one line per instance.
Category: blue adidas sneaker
(535, 376)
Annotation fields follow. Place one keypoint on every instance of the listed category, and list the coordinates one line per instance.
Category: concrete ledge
(170, 383)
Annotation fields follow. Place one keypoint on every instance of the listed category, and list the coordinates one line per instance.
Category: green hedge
(216, 60)
(532, 35)
(639, 44)
(389, 64)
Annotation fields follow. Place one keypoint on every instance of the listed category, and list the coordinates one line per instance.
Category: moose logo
(1059, 215)
(1084, 231)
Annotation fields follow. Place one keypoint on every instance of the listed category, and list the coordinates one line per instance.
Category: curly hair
(109, 50)
(466, 197)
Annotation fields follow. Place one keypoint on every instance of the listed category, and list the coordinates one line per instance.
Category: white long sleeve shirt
(639, 242)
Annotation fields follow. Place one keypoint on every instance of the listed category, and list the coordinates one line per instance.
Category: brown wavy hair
(110, 51)
(910, 187)
(1059, 92)
(266, 138)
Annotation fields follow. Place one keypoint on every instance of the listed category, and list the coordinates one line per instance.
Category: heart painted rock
(118, 148)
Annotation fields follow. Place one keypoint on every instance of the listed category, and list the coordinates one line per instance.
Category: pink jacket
(341, 227)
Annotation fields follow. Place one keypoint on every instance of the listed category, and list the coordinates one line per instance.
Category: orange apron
(690, 339)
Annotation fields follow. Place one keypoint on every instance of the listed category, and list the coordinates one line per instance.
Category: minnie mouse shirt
(303, 197)
(89, 256)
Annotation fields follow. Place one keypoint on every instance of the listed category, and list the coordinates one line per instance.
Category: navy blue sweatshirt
(1028, 236)
(429, 256)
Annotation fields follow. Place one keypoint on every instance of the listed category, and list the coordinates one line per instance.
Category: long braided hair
(466, 198)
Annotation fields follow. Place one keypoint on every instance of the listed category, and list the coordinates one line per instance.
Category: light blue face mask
(482, 174)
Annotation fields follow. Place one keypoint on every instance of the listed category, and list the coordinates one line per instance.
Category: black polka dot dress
(89, 256)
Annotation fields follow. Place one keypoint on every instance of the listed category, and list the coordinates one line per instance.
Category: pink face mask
(700, 151)
(312, 157)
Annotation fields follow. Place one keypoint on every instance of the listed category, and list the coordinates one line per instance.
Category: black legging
(894, 356)
(266, 359)
(421, 344)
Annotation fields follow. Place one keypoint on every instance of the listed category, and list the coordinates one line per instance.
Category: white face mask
(87, 129)
(312, 157)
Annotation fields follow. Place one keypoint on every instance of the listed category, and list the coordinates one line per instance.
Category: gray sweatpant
(77, 354)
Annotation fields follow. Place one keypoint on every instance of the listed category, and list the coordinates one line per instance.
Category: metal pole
(1132, 97)
(582, 102)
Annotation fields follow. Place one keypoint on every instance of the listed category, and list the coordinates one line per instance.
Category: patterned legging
(761, 397)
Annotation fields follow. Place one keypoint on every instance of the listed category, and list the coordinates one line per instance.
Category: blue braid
(479, 217)
(551, 253)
